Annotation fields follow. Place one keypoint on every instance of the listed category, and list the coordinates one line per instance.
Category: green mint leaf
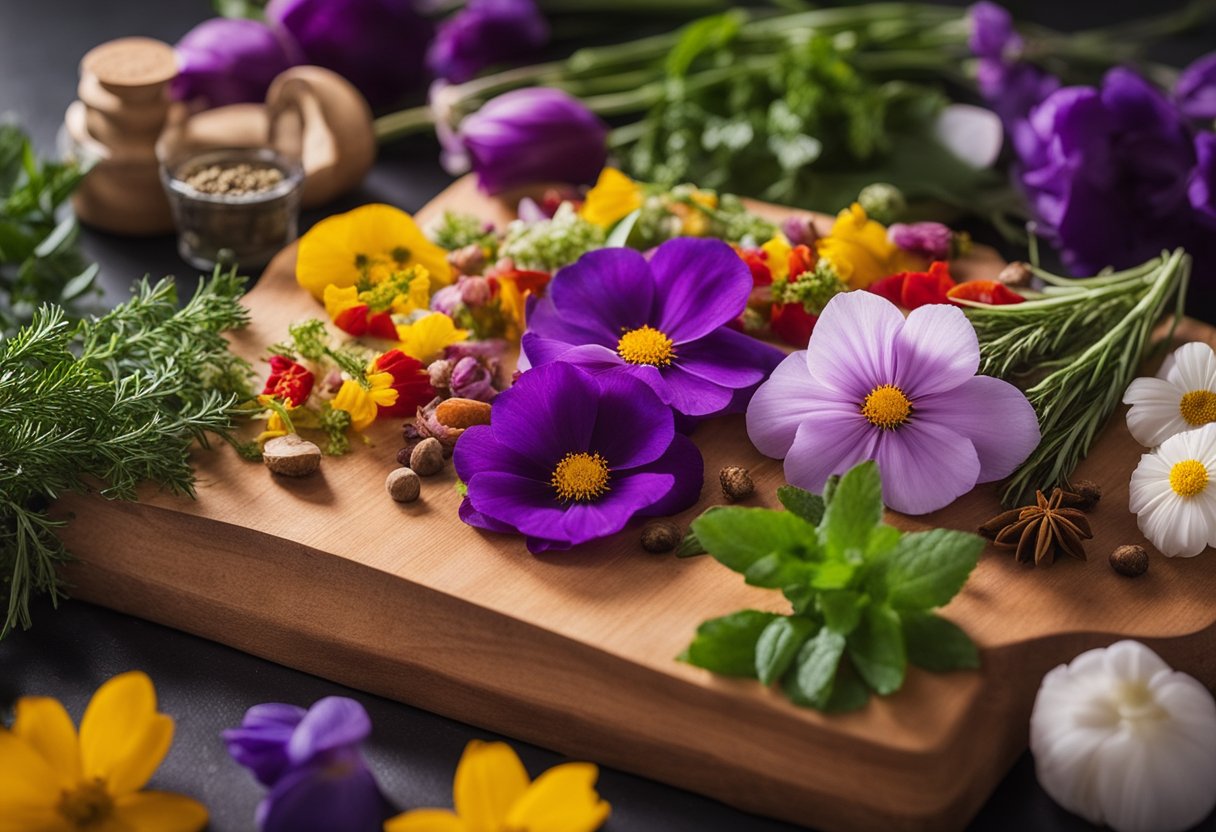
(883, 539)
(849, 693)
(738, 537)
(779, 644)
(833, 574)
(810, 680)
(877, 649)
(829, 489)
(937, 644)
(928, 568)
(727, 645)
(801, 502)
(855, 509)
(777, 570)
(801, 597)
(841, 609)
(691, 545)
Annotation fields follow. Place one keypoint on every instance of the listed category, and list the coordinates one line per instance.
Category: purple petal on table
(340, 794)
(925, 466)
(527, 505)
(608, 291)
(683, 461)
(540, 545)
(779, 405)
(693, 395)
(477, 520)
(477, 450)
(701, 284)
(633, 426)
(547, 413)
(606, 516)
(936, 350)
(728, 357)
(1195, 91)
(260, 743)
(828, 442)
(332, 723)
(994, 415)
(853, 348)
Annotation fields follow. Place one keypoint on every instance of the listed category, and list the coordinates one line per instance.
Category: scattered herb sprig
(104, 405)
(1074, 351)
(863, 595)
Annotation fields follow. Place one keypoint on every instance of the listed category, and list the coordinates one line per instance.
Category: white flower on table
(1181, 397)
(1173, 493)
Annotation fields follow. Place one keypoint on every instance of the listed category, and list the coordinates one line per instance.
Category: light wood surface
(576, 650)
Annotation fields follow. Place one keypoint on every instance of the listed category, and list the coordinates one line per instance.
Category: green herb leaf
(877, 649)
(779, 643)
(801, 502)
(738, 537)
(937, 644)
(712, 32)
(841, 609)
(855, 509)
(849, 692)
(810, 681)
(727, 645)
(927, 569)
(777, 570)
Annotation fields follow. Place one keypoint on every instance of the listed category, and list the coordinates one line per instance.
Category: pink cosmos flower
(872, 385)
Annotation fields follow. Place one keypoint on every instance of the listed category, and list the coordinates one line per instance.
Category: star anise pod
(1039, 532)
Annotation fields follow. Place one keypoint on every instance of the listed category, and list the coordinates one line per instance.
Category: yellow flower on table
(492, 793)
(613, 197)
(426, 338)
(364, 246)
(53, 780)
(859, 251)
(363, 403)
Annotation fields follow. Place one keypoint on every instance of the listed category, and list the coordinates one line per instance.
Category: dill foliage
(103, 405)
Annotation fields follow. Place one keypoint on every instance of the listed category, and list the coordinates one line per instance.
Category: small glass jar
(237, 206)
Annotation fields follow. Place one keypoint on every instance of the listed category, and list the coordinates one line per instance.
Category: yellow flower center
(88, 805)
(1198, 407)
(886, 407)
(580, 477)
(645, 345)
(1188, 478)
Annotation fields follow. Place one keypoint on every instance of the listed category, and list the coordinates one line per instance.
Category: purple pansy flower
(569, 457)
(311, 763)
(928, 239)
(872, 385)
(485, 32)
(377, 45)
(224, 61)
(1195, 91)
(663, 321)
(1010, 85)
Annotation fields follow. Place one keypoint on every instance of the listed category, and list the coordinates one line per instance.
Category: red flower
(802, 260)
(757, 262)
(410, 380)
(792, 323)
(358, 321)
(288, 381)
(991, 292)
(912, 290)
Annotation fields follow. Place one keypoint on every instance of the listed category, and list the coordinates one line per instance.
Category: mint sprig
(862, 595)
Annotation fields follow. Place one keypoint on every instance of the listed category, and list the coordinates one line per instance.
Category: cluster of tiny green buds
(456, 230)
(548, 245)
(883, 202)
(813, 289)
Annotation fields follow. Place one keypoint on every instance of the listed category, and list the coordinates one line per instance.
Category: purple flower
(928, 239)
(799, 229)
(992, 33)
(377, 45)
(447, 300)
(872, 385)
(226, 61)
(531, 135)
(569, 457)
(470, 379)
(1201, 190)
(1010, 85)
(1196, 89)
(311, 763)
(485, 32)
(663, 321)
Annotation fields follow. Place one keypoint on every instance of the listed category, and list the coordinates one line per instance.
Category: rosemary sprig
(104, 405)
(1075, 351)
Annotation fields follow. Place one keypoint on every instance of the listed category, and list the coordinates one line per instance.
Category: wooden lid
(130, 64)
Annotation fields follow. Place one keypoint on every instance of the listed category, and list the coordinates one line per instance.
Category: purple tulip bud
(226, 61)
(377, 45)
(532, 135)
(475, 291)
(799, 229)
(490, 351)
(929, 239)
(1196, 89)
(472, 380)
(486, 32)
(992, 32)
(447, 300)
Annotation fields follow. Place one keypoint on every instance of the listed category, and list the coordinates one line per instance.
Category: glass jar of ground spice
(239, 206)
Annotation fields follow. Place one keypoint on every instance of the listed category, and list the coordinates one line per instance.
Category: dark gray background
(206, 686)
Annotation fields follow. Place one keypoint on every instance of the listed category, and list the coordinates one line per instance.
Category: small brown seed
(403, 456)
(661, 536)
(427, 457)
(403, 485)
(1084, 494)
(1130, 561)
(291, 456)
(1016, 275)
(462, 413)
(736, 483)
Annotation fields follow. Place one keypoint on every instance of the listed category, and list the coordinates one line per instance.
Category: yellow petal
(122, 737)
(563, 799)
(778, 250)
(45, 726)
(356, 401)
(613, 197)
(426, 338)
(339, 298)
(28, 784)
(160, 812)
(490, 779)
(34, 820)
(425, 820)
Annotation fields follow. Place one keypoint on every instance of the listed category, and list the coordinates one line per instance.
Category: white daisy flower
(1173, 493)
(1181, 397)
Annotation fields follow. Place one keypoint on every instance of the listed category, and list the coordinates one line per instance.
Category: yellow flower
(778, 250)
(52, 780)
(492, 793)
(693, 221)
(363, 403)
(427, 337)
(275, 427)
(859, 251)
(363, 246)
(614, 196)
(338, 299)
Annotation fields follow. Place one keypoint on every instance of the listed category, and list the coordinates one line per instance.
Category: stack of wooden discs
(122, 108)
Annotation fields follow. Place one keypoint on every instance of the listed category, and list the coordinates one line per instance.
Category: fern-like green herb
(104, 405)
(1074, 351)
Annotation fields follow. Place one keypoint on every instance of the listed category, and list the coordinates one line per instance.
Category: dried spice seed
(1016, 275)
(291, 456)
(661, 536)
(1084, 494)
(460, 413)
(427, 457)
(1130, 561)
(403, 485)
(736, 483)
(241, 178)
(1041, 531)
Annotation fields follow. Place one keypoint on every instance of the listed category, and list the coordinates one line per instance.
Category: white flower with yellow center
(1181, 397)
(1173, 493)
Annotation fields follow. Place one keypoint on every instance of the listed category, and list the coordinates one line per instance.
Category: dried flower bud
(1016, 275)
(661, 536)
(427, 426)
(440, 371)
(1084, 494)
(427, 457)
(799, 229)
(736, 483)
(475, 291)
(403, 485)
(468, 260)
(1130, 561)
(447, 300)
(470, 379)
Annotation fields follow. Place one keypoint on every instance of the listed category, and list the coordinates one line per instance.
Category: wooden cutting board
(576, 650)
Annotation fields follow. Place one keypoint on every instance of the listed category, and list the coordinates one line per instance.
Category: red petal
(380, 325)
(792, 323)
(757, 262)
(353, 320)
(985, 291)
(924, 288)
(802, 260)
(891, 288)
